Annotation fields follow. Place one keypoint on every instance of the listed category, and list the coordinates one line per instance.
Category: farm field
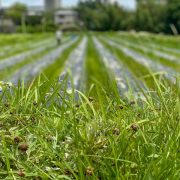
(98, 106)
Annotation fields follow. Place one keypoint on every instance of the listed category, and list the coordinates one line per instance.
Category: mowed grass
(49, 133)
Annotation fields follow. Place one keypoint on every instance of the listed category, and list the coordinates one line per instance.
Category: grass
(55, 69)
(51, 137)
(140, 72)
(7, 40)
(173, 64)
(160, 40)
(46, 132)
(5, 73)
(97, 74)
(151, 43)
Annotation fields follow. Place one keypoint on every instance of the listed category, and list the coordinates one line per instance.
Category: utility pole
(1, 17)
(51, 5)
(23, 22)
(43, 22)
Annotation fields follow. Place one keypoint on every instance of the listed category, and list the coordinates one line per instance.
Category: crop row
(104, 59)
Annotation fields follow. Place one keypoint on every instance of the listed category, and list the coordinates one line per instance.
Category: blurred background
(34, 16)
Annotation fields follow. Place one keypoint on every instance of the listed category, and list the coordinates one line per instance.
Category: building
(35, 10)
(103, 1)
(7, 26)
(66, 17)
(51, 5)
(109, 1)
(62, 17)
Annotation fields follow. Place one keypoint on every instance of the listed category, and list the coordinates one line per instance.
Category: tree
(150, 16)
(101, 16)
(173, 14)
(16, 12)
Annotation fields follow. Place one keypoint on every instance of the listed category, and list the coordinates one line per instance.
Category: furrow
(74, 65)
(23, 56)
(124, 78)
(152, 65)
(167, 49)
(31, 70)
(151, 43)
(151, 50)
(31, 45)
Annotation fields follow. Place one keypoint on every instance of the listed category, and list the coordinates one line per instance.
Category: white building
(51, 5)
(35, 10)
(109, 1)
(102, 1)
(7, 25)
(66, 17)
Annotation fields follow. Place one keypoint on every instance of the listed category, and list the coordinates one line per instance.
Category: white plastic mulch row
(31, 70)
(161, 54)
(151, 64)
(124, 78)
(156, 46)
(74, 65)
(8, 62)
(167, 49)
(7, 50)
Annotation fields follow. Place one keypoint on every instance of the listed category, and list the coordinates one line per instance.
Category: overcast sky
(126, 3)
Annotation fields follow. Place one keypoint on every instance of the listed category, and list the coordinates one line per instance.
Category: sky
(126, 3)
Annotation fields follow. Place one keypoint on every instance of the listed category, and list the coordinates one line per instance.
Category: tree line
(158, 16)
(18, 13)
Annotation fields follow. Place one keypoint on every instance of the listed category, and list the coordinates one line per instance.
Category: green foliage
(173, 13)
(98, 16)
(16, 11)
(34, 20)
(149, 15)
(46, 134)
(48, 131)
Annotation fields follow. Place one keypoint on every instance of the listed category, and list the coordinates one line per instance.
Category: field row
(105, 59)
(105, 106)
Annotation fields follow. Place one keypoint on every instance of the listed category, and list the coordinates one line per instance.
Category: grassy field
(99, 106)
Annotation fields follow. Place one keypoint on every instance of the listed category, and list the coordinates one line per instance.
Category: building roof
(35, 10)
(65, 12)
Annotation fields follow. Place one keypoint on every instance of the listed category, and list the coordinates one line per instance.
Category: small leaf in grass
(23, 147)
(132, 102)
(89, 171)
(77, 105)
(116, 131)
(17, 139)
(35, 103)
(153, 156)
(21, 173)
(6, 105)
(121, 107)
(134, 127)
(91, 99)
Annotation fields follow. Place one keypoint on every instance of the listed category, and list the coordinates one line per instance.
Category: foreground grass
(54, 136)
